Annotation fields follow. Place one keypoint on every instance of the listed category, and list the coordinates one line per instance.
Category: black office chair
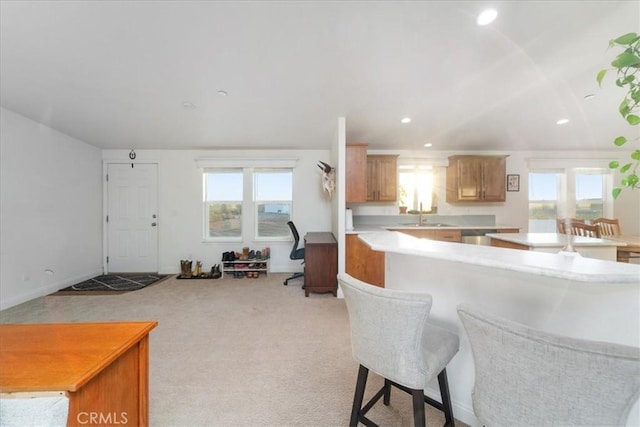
(296, 252)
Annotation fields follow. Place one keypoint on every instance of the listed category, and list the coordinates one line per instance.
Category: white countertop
(551, 240)
(368, 228)
(572, 267)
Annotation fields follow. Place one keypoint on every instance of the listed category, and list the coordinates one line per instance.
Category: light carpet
(237, 352)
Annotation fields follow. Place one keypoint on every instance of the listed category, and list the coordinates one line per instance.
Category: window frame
(207, 204)
(249, 206)
(255, 219)
(566, 191)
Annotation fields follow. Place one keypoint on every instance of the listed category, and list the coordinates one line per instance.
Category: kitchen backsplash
(458, 220)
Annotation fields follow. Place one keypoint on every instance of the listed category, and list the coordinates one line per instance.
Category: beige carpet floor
(237, 352)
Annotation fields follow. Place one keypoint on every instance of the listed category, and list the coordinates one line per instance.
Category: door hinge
(107, 260)
(107, 218)
(107, 177)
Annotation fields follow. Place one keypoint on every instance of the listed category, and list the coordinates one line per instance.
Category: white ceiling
(116, 74)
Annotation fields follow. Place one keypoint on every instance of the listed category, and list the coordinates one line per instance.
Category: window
(590, 199)
(223, 203)
(543, 202)
(568, 193)
(272, 199)
(242, 204)
(416, 187)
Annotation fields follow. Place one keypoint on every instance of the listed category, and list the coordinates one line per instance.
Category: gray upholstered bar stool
(526, 377)
(391, 335)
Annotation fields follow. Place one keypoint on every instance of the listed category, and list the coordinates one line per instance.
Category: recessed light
(406, 120)
(562, 122)
(222, 93)
(486, 17)
(428, 144)
(188, 105)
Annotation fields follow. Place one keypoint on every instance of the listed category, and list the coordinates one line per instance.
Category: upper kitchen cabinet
(356, 171)
(476, 179)
(382, 178)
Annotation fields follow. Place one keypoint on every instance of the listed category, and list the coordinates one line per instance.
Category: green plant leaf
(635, 94)
(636, 155)
(624, 108)
(626, 167)
(632, 180)
(613, 164)
(600, 76)
(620, 141)
(625, 59)
(616, 192)
(627, 39)
(633, 120)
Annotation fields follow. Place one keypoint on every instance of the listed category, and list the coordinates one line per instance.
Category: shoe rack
(251, 267)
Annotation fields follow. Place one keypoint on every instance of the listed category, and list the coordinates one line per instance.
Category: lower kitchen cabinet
(362, 262)
(442, 235)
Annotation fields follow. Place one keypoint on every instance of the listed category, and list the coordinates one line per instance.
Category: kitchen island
(554, 242)
(563, 294)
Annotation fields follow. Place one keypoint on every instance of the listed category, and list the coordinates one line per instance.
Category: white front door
(132, 218)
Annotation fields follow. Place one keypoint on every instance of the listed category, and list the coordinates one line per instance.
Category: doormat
(112, 284)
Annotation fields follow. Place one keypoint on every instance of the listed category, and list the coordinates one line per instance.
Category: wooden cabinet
(382, 178)
(362, 262)
(103, 368)
(508, 230)
(320, 263)
(356, 173)
(476, 179)
(448, 235)
(503, 244)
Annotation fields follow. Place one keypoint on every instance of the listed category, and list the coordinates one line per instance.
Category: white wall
(514, 211)
(50, 210)
(180, 215)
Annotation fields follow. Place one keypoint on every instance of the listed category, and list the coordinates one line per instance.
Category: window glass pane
(223, 186)
(225, 220)
(589, 196)
(273, 193)
(223, 203)
(273, 185)
(416, 186)
(543, 202)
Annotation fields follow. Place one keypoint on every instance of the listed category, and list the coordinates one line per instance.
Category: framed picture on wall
(513, 182)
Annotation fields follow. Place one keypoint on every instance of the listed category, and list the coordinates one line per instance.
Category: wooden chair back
(561, 224)
(585, 230)
(608, 226)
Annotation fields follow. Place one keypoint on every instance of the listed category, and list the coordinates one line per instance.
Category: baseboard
(461, 412)
(45, 290)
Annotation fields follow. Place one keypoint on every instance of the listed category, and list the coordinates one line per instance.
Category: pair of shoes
(253, 274)
(185, 268)
(229, 256)
(238, 274)
(252, 254)
(215, 272)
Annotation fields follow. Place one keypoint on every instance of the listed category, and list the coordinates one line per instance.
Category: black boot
(216, 273)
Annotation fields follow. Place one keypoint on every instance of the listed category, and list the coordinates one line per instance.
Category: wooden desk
(320, 263)
(101, 367)
(633, 246)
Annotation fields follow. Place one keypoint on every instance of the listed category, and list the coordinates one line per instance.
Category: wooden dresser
(101, 367)
(320, 263)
